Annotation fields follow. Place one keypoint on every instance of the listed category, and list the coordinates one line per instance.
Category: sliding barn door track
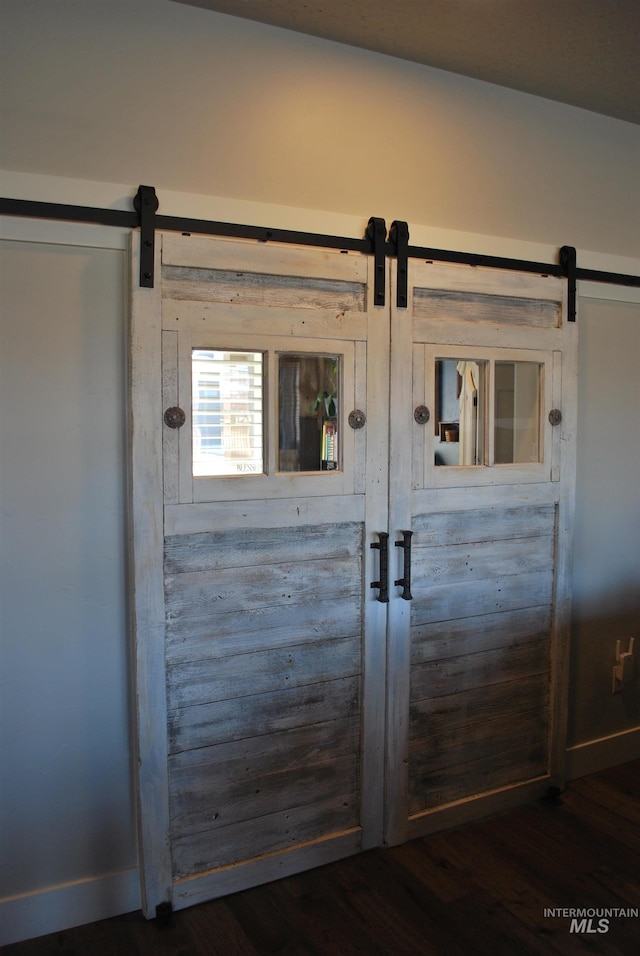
(144, 216)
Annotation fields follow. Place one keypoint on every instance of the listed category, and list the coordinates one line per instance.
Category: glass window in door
(308, 402)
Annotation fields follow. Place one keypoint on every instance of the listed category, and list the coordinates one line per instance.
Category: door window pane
(460, 412)
(227, 406)
(308, 431)
(517, 412)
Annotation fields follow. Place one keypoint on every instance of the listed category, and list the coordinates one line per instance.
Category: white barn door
(258, 487)
(285, 431)
(482, 474)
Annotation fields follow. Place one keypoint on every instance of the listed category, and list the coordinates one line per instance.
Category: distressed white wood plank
(399, 611)
(263, 513)
(251, 320)
(360, 434)
(441, 306)
(482, 524)
(454, 500)
(268, 291)
(433, 642)
(465, 565)
(485, 596)
(293, 747)
(238, 632)
(486, 668)
(221, 800)
(146, 591)
(245, 547)
(455, 712)
(564, 530)
(474, 279)
(506, 768)
(199, 726)
(170, 400)
(262, 671)
(285, 584)
(480, 740)
(271, 866)
(282, 830)
(249, 255)
(447, 335)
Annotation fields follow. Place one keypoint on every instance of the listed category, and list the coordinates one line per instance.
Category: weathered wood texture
(481, 889)
(263, 690)
(480, 652)
(216, 285)
(479, 307)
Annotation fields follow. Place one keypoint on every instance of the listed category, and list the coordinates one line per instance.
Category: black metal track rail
(131, 220)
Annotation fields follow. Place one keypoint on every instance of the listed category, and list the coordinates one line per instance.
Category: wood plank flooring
(480, 889)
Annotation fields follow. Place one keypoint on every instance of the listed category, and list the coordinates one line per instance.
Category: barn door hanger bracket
(145, 203)
(377, 234)
(399, 236)
(569, 270)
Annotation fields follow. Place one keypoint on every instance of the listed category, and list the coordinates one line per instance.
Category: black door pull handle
(405, 581)
(383, 547)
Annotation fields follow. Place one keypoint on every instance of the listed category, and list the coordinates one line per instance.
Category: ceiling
(582, 52)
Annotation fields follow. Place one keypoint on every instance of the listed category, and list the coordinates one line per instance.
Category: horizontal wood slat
(246, 547)
(482, 524)
(199, 726)
(197, 592)
(210, 637)
(264, 258)
(466, 564)
(455, 712)
(267, 291)
(447, 639)
(478, 739)
(440, 306)
(201, 803)
(484, 596)
(262, 671)
(496, 666)
(248, 839)
(471, 280)
(474, 777)
(251, 322)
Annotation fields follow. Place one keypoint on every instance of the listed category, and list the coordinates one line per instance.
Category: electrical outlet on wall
(623, 668)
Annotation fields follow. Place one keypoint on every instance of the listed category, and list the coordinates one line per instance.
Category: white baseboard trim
(596, 755)
(73, 904)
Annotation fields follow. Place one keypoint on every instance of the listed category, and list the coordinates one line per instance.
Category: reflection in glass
(227, 413)
(308, 412)
(517, 412)
(460, 403)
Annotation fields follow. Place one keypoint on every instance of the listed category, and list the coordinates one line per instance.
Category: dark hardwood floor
(481, 889)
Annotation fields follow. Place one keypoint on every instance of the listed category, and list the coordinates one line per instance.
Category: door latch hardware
(357, 418)
(405, 581)
(174, 417)
(422, 414)
(383, 547)
(555, 416)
